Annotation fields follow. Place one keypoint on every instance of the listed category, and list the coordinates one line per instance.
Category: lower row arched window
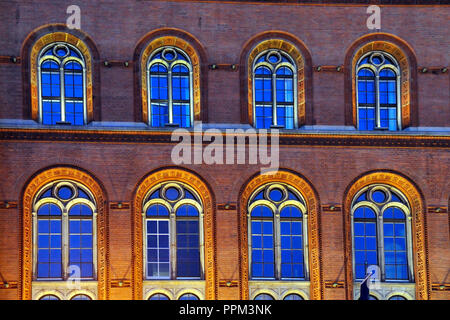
(173, 232)
(64, 232)
(186, 296)
(382, 234)
(277, 241)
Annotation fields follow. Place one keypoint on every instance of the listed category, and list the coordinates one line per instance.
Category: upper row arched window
(171, 88)
(62, 85)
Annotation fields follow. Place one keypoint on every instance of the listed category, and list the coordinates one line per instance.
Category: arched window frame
(172, 218)
(276, 209)
(65, 218)
(61, 62)
(169, 66)
(376, 71)
(273, 68)
(379, 212)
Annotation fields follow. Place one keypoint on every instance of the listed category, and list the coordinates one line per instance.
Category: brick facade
(119, 160)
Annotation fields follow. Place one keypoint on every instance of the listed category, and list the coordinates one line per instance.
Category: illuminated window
(188, 296)
(274, 96)
(81, 297)
(158, 296)
(49, 297)
(378, 92)
(277, 233)
(62, 85)
(64, 232)
(170, 88)
(264, 296)
(381, 233)
(173, 233)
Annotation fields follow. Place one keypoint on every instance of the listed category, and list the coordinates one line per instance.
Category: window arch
(81, 297)
(382, 233)
(278, 233)
(49, 297)
(263, 296)
(293, 296)
(158, 296)
(173, 232)
(62, 89)
(275, 93)
(276, 99)
(378, 92)
(64, 232)
(170, 88)
(61, 78)
(176, 43)
(188, 296)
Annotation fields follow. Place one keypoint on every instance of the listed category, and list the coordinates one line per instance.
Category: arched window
(293, 296)
(381, 233)
(397, 297)
(81, 297)
(49, 297)
(378, 92)
(173, 232)
(159, 296)
(275, 90)
(264, 296)
(170, 88)
(276, 213)
(188, 296)
(62, 88)
(64, 223)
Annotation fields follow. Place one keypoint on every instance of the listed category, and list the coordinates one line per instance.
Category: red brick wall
(223, 28)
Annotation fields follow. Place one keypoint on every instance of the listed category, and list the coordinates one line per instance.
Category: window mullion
(173, 245)
(65, 243)
(277, 243)
(274, 100)
(170, 96)
(377, 99)
(63, 99)
(380, 246)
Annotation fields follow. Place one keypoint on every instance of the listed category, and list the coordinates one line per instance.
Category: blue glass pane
(49, 209)
(80, 210)
(290, 212)
(261, 211)
(276, 195)
(387, 73)
(188, 254)
(187, 210)
(188, 296)
(263, 71)
(264, 297)
(364, 212)
(159, 296)
(157, 210)
(293, 297)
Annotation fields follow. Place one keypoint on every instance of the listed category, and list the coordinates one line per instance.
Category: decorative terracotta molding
(313, 208)
(8, 204)
(26, 255)
(292, 139)
(228, 283)
(440, 287)
(333, 208)
(120, 283)
(122, 205)
(195, 60)
(8, 285)
(415, 201)
(34, 54)
(227, 206)
(174, 174)
(436, 209)
(330, 284)
(296, 55)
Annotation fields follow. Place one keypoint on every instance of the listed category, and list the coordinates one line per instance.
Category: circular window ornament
(61, 51)
(172, 192)
(65, 191)
(380, 195)
(377, 59)
(169, 54)
(276, 193)
(273, 57)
